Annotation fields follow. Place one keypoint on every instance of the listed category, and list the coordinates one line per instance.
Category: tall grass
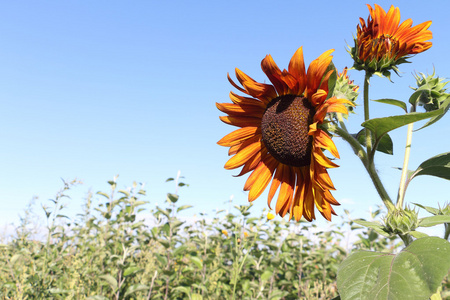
(118, 249)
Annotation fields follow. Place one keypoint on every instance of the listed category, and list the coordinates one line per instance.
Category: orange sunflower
(382, 43)
(279, 139)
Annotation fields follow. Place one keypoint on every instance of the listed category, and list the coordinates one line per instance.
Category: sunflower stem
(403, 178)
(366, 112)
(370, 167)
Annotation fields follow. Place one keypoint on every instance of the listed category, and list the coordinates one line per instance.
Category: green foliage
(117, 249)
(415, 273)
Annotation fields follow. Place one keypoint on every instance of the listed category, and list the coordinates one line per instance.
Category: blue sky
(92, 89)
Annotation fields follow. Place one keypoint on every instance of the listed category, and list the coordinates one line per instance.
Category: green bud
(401, 221)
(345, 89)
(430, 91)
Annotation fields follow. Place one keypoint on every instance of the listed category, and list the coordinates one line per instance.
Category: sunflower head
(383, 43)
(279, 139)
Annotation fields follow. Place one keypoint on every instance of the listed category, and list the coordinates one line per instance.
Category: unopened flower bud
(401, 221)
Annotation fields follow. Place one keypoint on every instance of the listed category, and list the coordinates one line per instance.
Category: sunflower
(382, 43)
(279, 138)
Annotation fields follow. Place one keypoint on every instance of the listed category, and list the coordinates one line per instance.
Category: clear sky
(92, 89)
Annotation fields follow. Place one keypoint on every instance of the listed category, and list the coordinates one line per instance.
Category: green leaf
(110, 280)
(97, 297)
(414, 273)
(381, 126)
(395, 102)
(374, 225)
(197, 261)
(433, 221)
(165, 243)
(429, 209)
(266, 275)
(196, 297)
(418, 234)
(103, 194)
(136, 288)
(131, 270)
(172, 197)
(438, 166)
(182, 289)
(183, 207)
(445, 106)
(179, 250)
(385, 145)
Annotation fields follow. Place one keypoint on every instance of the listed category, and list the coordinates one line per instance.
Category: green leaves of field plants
(415, 273)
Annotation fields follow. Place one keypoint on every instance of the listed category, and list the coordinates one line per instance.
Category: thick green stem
(406, 238)
(366, 111)
(362, 154)
(403, 178)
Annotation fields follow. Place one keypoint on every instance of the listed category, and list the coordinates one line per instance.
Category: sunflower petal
(239, 136)
(243, 156)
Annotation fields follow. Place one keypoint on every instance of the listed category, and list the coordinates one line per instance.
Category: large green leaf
(415, 273)
(438, 166)
(381, 126)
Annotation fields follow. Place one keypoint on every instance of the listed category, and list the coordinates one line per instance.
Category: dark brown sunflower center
(285, 126)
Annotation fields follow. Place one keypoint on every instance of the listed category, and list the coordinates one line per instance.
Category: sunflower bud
(345, 89)
(382, 43)
(401, 221)
(432, 93)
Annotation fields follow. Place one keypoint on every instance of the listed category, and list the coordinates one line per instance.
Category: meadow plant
(119, 249)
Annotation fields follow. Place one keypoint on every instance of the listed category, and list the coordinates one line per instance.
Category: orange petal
(239, 136)
(238, 110)
(322, 140)
(276, 181)
(263, 174)
(243, 155)
(297, 69)
(286, 192)
(321, 159)
(297, 203)
(241, 121)
(272, 71)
